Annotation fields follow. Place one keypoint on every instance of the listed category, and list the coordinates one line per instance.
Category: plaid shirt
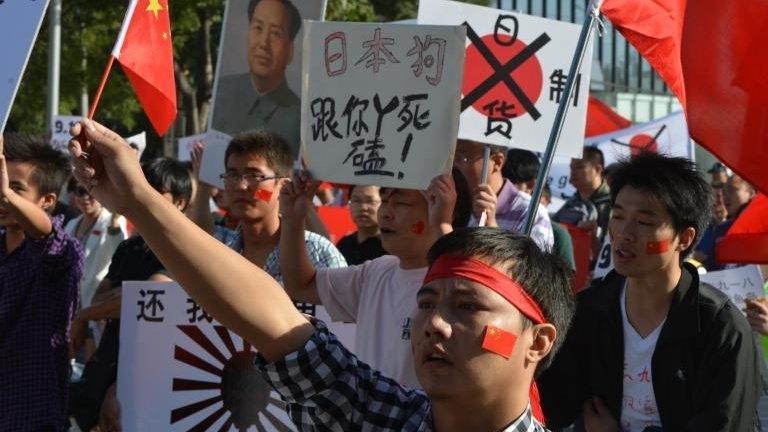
(322, 253)
(38, 298)
(327, 388)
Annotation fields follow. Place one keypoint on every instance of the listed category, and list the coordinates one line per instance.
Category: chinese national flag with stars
(145, 52)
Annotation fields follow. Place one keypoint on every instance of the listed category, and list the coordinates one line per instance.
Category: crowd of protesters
(647, 347)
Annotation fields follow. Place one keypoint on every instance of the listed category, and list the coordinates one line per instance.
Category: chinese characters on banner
(667, 135)
(515, 73)
(380, 102)
(19, 23)
(180, 370)
(739, 283)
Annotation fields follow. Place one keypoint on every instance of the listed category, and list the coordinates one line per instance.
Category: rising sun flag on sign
(145, 52)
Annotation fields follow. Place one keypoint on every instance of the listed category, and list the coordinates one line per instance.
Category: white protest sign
(737, 283)
(515, 73)
(180, 370)
(380, 102)
(140, 140)
(212, 165)
(604, 263)
(667, 135)
(19, 23)
(186, 144)
(59, 128)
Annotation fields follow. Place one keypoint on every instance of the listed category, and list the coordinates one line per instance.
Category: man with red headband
(651, 348)
(487, 319)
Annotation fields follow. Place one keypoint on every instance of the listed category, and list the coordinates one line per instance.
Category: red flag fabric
(145, 52)
(747, 240)
(601, 119)
(499, 341)
(710, 54)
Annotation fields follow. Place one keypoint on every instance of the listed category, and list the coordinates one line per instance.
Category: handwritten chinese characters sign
(515, 74)
(739, 283)
(380, 102)
(181, 370)
(19, 23)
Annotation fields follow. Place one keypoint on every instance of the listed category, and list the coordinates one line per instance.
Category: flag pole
(102, 84)
(591, 20)
(484, 179)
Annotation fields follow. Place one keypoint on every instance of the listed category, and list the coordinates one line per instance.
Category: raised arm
(297, 269)
(32, 219)
(237, 293)
(200, 209)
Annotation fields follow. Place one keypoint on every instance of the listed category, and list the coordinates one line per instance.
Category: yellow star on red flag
(154, 6)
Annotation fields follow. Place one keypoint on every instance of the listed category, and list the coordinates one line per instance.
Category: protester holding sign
(651, 346)
(40, 268)
(365, 243)
(502, 203)
(488, 316)
(379, 294)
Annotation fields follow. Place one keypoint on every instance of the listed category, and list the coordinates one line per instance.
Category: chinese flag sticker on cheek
(499, 341)
(418, 227)
(263, 195)
(657, 247)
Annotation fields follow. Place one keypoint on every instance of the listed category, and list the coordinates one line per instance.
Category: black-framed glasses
(250, 178)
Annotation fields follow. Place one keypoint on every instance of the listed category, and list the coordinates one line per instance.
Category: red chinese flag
(499, 341)
(747, 240)
(601, 119)
(145, 52)
(657, 247)
(263, 195)
(710, 53)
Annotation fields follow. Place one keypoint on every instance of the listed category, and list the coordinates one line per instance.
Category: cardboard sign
(186, 144)
(213, 158)
(515, 74)
(19, 23)
(181, 370)
(737, 283)
(59, 127)
(380, 102)
(667, 135)
(258, 73)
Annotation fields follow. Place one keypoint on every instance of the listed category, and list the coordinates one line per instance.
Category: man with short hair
(378, 294)
(652, 348)
(365, 243)
(40, 268)
(487, 321)
(501, 202)
(590, 207)
(261, 99)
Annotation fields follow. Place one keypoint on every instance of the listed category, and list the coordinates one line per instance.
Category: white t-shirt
(381, 298)
(639, 409)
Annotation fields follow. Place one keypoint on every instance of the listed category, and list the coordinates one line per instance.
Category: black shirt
(357, 253)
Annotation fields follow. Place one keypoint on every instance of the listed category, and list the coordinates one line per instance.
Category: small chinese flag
(145, 52)
(499, 341)
(418, 227)
(657, 247)
(263, 195)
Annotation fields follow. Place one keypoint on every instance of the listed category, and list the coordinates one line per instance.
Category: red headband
(448, 266)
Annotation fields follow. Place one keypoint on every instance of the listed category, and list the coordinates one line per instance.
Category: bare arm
(199, 210)
(33, 219)
(298, 271)
(237, 293)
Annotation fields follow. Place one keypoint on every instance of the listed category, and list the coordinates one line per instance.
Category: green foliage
(350, 10)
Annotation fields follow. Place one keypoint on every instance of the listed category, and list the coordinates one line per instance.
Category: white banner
(380, 102)
(186, 144)
(515, 73)
(59, 127)
(667, 135)
(180, 370)
(19, 23)
(739, 283)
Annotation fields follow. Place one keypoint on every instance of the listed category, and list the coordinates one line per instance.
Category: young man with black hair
(94, 397)
(651, 348)
(487, 320)
(40, 268)
(522, 168)
(501, 202)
